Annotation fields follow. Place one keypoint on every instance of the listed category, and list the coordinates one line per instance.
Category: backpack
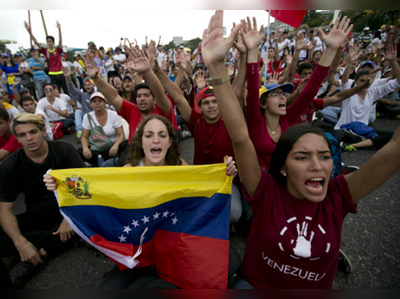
(336, 155)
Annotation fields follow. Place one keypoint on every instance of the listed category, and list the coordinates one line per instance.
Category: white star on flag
(127, 229)
(135, 223)
(155, 216)
(174, 220)
(145, 219)
(165, 214)
(122, 238)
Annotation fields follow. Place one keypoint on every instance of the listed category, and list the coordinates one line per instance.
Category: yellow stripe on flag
(149, 186)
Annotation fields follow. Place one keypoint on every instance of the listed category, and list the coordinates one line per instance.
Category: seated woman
(298, 211)
(128, 90)
(112, 127)
(154, 144)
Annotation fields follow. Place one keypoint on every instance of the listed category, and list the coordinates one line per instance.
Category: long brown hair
(136, 151)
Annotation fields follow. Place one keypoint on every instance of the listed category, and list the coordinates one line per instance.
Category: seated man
(41, 231)
(4, 101)
(8, 143)
(54, 108)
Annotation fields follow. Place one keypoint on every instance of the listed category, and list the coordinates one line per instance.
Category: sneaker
(378, 115)
(185, 134)
(347, 147)
(344, 264)
(79, 134)
(23, 271)
(397, 117)
(349, 168)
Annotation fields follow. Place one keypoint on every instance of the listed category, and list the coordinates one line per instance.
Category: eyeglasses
(48, 89)
(276, 94)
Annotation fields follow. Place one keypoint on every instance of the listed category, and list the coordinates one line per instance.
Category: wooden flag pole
(44, 24)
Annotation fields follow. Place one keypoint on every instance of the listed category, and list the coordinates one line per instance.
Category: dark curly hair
(136, 151)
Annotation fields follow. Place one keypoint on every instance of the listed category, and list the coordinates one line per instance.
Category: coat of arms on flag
(173, 217)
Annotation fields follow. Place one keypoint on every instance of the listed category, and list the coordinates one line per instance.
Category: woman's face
(117, 83)
(308, 168)
(276, 102)
(155, 143)
(98, 104)
(317, 56)
(128, 85)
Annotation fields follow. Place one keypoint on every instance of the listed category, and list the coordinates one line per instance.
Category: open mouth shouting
(315, 185)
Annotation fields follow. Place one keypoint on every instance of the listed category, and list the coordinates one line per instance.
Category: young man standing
(53, 56)
(41, 231)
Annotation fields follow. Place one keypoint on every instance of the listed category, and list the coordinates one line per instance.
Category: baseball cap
(5, 55)
(24, 89)
(97, 95)
(286, 87)
(127, 77)
(367, 62)
(3, 91)
(88, 79)
(118, 48)
(387, 69)
(33, 49)
(366, 28)
(205, 93)
(176, 45)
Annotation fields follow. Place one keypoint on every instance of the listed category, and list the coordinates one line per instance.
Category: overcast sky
(106, 28)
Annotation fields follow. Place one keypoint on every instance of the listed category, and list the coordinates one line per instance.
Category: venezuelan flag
(173, 217)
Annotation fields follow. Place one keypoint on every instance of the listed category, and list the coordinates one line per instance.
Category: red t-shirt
(131, 113)
(11, 145)
(212, 141)
(294, 243)
(306, 116)
(256, 123)
(53, 60)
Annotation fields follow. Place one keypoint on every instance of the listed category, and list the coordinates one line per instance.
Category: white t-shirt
(58, 105)
(120, 57)
(77, 65)
(357, 109)
(161, 56)
(66, 98)
(319, 46)
(113, 122)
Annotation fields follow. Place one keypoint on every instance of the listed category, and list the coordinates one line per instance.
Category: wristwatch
(217, 81)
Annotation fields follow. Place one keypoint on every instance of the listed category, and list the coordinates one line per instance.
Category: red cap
(205, 93)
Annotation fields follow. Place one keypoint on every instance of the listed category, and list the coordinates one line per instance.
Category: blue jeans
(39, 87)
(113, 162)
(242, 284)
(78, 119)
(331, 114)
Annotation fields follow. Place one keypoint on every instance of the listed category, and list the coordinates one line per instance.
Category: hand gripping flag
(173, 217)
(290, 17)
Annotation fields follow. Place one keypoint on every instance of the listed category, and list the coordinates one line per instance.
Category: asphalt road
(371, 238)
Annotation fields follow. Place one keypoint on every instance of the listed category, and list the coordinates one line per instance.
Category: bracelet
(217, 81)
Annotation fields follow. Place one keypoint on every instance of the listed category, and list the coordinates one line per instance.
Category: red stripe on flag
(290, 17)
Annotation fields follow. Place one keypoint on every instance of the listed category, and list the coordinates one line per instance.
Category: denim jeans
(78, 120)
(39, 87)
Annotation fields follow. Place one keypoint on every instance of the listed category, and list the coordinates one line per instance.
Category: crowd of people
(268, 105)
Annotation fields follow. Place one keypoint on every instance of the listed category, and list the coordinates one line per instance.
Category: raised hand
(252, 38)
(231, 69)
(152, 54)
(92, 71)
(215, 47)
(338, 34)
(27, 27)
(137, 61)
(66, 71)
(301, 44)
(58, 25)
(181, 60)
(391, 53)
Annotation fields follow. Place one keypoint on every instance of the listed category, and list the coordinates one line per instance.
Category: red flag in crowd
(290, 17)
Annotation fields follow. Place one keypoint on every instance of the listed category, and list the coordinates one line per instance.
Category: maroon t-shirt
(53, 59)
(306, 116)
(212, 141)
(294, 243)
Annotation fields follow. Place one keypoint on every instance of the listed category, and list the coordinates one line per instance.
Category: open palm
(338, 34)
(92, 70)
(252, 37)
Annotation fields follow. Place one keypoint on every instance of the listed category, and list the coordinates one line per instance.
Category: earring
(284, 174)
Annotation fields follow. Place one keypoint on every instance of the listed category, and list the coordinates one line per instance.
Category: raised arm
(376, 170)
(174, 91)
(300, 45)
(391, 56)
(341, 96)
(240, 78)
(215, 49)
(138, 62)
(29, 29)
(58, 25)
(109, 92)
